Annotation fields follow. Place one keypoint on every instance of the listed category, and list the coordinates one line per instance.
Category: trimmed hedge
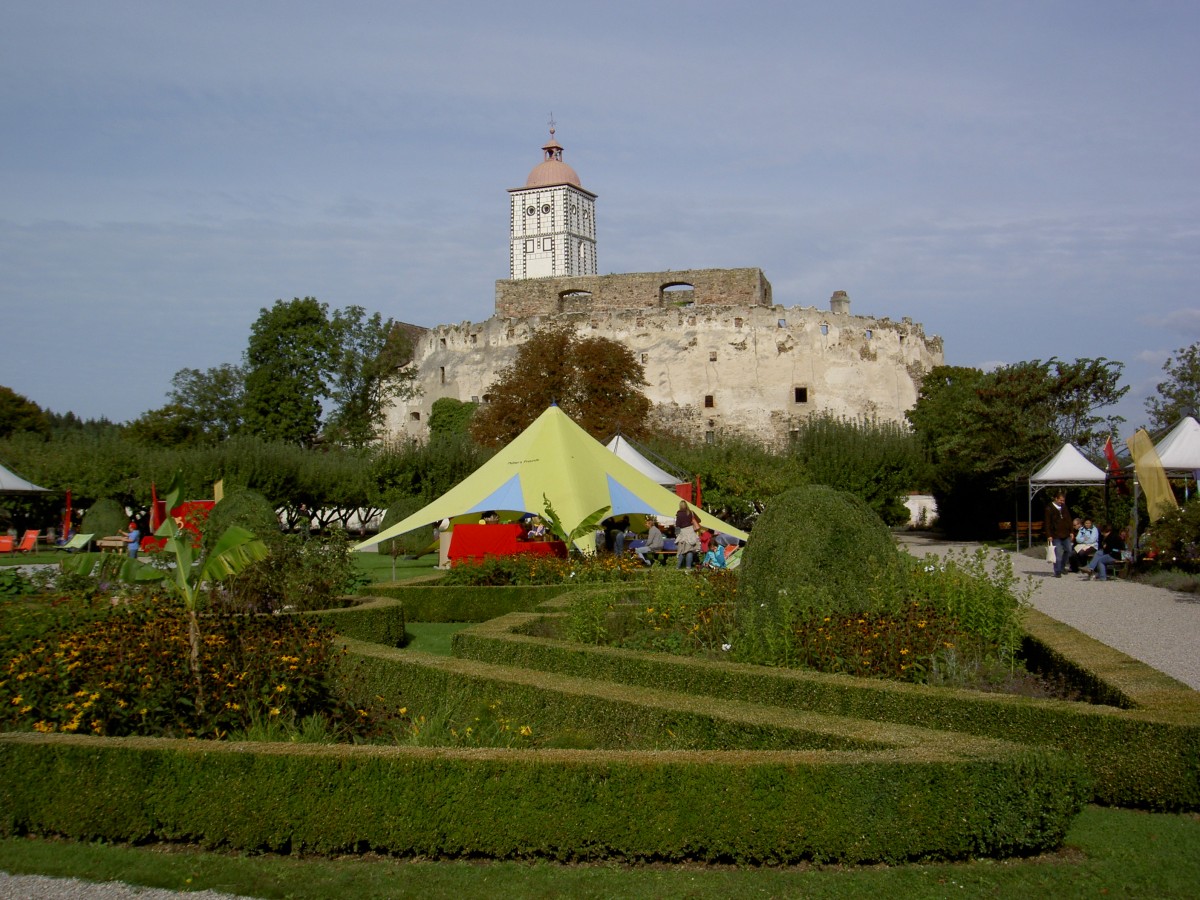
(567, 805)
(1145, 757)
(433, 602)
(379, 620)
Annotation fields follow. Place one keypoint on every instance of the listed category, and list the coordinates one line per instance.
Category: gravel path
(1157, 626)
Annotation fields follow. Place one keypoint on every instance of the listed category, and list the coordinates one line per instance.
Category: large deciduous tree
(20, 415)
(368, 369)
(1179, 395)
(595, 381)
(986, 431)
(287, 361)
(202, 407)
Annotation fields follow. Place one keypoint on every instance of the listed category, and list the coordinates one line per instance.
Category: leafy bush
(688, 615)
(516, 570)
(299, 574)
(12, 584)
(104, 517)
(1176, 536)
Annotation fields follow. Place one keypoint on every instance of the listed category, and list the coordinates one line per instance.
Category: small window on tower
(801, 394)
(546, 208)
(645, 358)
(442, 374)
(531, 211)
(737, 323)
(870, 334)
(474, 339)
(710, 437)
(824, 328)
(709, 402)
(547, 243)
(443, 343)
(712, 355)
(415, 416)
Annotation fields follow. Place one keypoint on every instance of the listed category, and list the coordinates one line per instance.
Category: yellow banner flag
(219, 490)
(1160, 500)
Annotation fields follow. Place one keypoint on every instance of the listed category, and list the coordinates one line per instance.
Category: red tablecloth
(478, 541)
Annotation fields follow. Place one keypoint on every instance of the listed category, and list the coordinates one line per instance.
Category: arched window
(677, 293)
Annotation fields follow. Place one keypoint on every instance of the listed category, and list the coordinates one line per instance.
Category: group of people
(1078, 545)
(694, 545)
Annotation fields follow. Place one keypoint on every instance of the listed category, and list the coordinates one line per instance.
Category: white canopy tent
(11, 483)
(1179, 450)
(1067, 468)
(621, 446)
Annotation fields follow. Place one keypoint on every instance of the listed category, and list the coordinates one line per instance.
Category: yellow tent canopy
(557, 459)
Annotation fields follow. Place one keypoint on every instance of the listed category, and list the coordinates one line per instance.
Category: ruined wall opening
(573, 300)
(677, 293)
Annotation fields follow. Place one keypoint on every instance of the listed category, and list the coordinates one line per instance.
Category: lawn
(1109, 851)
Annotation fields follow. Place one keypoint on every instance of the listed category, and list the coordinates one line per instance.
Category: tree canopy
(986, 431)
(20, 415)
(1179, 395)
(594, 380)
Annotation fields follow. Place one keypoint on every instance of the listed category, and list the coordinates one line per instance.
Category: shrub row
(1148, 756)
(433, 602)
(379, 620)
(780, 807)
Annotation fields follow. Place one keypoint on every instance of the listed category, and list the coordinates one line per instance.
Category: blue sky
(1019, 177)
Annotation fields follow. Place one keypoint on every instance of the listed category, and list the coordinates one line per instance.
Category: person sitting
(537, 529)
(1086, 543)
(619, 529)
(653, 546)
(714, 556)
(66, 538)
(1112, 550)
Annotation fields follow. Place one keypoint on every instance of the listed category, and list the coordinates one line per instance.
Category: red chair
(29, 541)
(6, 543)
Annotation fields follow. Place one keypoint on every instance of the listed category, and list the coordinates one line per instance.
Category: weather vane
(552, 124)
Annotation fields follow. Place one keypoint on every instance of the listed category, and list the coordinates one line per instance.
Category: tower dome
(552, 170)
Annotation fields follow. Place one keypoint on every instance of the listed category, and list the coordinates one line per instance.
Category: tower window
(870, 333)
(709, 402)
(529, 246)
(442, 373)
(443, 340)
(546, 207)
(783, 323)
(712, 355)
(531, 211)
(414, 416)
(710, 437)
(474, 339)
(547, 243)
(801, 394)
(824, 328)
(737, 323)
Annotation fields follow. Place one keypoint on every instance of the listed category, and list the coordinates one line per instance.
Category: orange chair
(6, 543)
(29, 542)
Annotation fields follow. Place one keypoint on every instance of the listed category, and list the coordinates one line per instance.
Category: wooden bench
(111, 543)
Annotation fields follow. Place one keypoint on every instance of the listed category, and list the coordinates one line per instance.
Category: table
(474, 542)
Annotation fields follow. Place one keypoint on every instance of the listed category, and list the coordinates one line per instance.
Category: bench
(111, 543)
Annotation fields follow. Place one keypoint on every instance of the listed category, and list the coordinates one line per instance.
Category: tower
(552, 229)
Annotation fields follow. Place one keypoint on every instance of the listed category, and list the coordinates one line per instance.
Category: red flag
(66, 525)
(1111, 455)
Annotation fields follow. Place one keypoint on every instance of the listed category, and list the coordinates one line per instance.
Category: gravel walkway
(1157, 626)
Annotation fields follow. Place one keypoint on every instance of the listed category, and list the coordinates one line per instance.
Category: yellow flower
(275, 710)
(526, 731)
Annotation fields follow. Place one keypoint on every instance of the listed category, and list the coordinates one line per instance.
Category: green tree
(986, 431)
(595, 381)
(368, 364)
(450, 417)
(287, 361)
(18, 414)
(877, 461)
(1179, 395)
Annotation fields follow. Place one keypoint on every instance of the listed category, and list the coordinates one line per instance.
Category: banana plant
(236, 549)
(586, 527)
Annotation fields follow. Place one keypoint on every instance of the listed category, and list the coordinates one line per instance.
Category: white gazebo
(1066, 468)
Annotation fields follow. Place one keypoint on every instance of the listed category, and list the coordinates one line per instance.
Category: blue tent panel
(508, 496)
(622, 499)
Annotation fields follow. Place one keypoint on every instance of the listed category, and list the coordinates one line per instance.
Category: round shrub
(105, 518)
(815, 551)
(246, 509)
(411, 542)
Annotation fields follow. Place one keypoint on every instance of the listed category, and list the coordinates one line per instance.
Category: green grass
(432, 637)
(378, 567)
(1109, 851)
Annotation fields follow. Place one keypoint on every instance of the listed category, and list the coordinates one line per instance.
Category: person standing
(687, 543)
(1058, 531)
(133, 537)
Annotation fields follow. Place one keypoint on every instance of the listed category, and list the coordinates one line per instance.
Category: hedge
(1147, 756)
(780, 807)
(432, 602)
(379, 620)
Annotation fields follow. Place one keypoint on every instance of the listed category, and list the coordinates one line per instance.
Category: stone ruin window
(800, 394)
(442, 374)
(443, 340)
(677, 293)
(737, 323)
(870, 334)
(712, 355)
(474, 339)
(414, 416)
(709, 401)
(645, 358)
(475, 398)
(710, 437)
(824, 328)
(783, 323)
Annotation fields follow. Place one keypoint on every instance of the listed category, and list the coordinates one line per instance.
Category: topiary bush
(815, 552)
(246, 509)
(105, 517)
(411, 542)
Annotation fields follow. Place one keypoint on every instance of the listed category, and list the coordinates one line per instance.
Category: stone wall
(643, 290)
(712, 367)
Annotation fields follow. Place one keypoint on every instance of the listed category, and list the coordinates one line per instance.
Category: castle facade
(720, 356)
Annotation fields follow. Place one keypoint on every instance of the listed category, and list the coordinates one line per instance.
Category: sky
(1021, 178)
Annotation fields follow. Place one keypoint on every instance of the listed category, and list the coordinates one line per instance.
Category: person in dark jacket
(1112, 550)
(1058, 531)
